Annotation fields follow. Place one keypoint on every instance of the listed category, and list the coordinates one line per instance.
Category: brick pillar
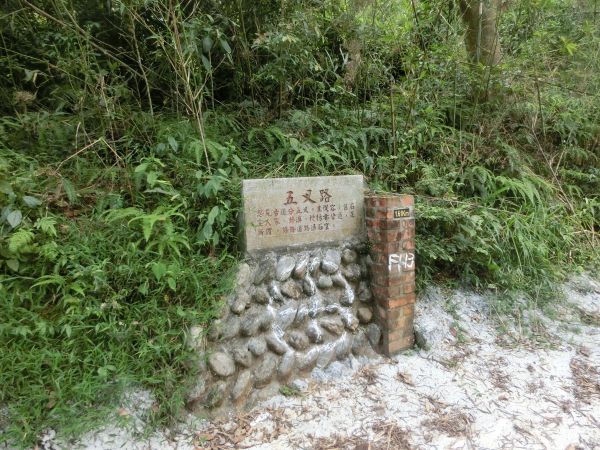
(391, 231)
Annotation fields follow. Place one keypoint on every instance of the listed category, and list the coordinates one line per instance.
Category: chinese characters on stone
(311, 211)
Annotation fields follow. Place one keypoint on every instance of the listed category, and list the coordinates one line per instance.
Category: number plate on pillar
(401, 213)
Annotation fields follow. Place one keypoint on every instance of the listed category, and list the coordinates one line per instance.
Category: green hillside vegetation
(126, 128)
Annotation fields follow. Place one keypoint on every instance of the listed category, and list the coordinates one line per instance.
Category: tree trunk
(482, 40)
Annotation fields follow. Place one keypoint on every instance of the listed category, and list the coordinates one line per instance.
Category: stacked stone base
(290, 314)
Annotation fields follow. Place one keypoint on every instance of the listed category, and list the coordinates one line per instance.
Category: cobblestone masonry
(391, 230)
(290, 313)
(294, 311)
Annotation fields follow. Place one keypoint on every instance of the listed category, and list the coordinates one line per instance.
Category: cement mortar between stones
(291, 312)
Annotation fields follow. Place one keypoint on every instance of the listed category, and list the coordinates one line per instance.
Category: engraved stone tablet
(282, 212)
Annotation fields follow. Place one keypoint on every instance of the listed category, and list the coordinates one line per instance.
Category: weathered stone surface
(264, 371)
(215, 394)
(243, 275)
(339, 280)
(352, 272)
(308, 285)
(301, 267)
(241, 355)
(314, 332)
(265, 271)
(251, 323)
(286, 365)
(333, 256)
(231, 327)
(274, 194)
(324, 282)
(364, 314)
(266, 319)
(332, 308)
(326, 355)
(349, 256)
(260, 295)
(350, 321)
(329, 267)
(308, 360)
(276, 344)
(240, 302)
(275, 292)
(214, 331)
(374, 334)
(360, 345)
(242, 386)
(336, 370)
(257, 345)
(315, 306)
(298, 340)
(364, 293)
(286, 315)
(197, 390)
(221, 364)
(343, 346)
(301, 315)
(313, 265)
(194, 338)
(291, 289)
(333, 325)
(299, 384)
(285, 267)
(347, 297)
(364, 269)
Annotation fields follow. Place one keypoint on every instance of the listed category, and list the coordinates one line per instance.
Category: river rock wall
(290, 313)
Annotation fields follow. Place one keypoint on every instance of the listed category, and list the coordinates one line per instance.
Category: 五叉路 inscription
(281, 212)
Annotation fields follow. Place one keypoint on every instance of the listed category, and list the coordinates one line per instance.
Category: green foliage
(290, 391)
(127, 126)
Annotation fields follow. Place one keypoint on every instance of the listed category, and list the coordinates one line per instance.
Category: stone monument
(312, 290)
(293, 212)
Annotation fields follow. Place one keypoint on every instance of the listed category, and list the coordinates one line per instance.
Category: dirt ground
(480, 384)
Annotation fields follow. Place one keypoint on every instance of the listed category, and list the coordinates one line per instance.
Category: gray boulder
(240, 302)
(221, 364)
(364, 314)
(265, 271)
(298, 340)
(260, 295)
(286, 365)
(241, 355)
(333, 325)
(276, 344)
(349, 256)
(251, 323)
(264, 371)
(285, 267)
(257, 345)
(291, 289)
(216, 394)
(374, 334)
(242, 386)
(301, 268)
(324, 282)
(308, 285)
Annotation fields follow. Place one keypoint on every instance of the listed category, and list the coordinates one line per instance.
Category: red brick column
(391, 231)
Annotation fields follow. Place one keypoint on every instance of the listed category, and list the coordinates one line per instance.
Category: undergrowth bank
(125, 133)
